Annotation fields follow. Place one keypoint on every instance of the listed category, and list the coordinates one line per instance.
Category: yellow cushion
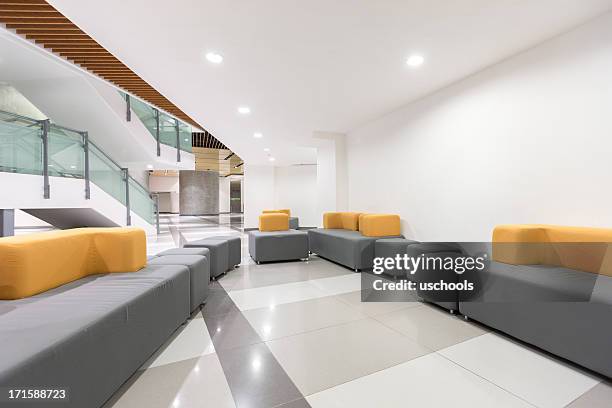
(580, 248)
(361, 215)
(34, 263)
(350, 220)
(283, 211)
(274, 222)
(332, 220)
(380, 225)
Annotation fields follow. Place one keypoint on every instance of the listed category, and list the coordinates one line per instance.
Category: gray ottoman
(294, 223)
(234, 250)
(389, 248)
(219, 254)
(271, 246)
(199, 274)
(185, 251)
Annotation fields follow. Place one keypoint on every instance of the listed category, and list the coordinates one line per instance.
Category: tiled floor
(296, 334)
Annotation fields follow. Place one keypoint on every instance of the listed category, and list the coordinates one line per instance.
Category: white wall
(11, 100)
(526, 141)
(224, 194)
(296, 189)
(166, 184)
(259, 194)
(269, 187)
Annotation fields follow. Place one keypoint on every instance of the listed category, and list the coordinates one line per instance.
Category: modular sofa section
(199, 274)
(91, 335)
(269, 246)
(348, 248)
(563, 311)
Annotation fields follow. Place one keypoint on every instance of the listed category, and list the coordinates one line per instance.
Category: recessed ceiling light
(244, 110)
(73, 167)
(257, 135)
(266, 149)
(186, 140)
(271, 159)
(150, 166)
(214, 57)
(415, 61)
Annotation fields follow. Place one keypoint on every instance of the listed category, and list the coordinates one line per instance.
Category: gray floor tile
(430, 326)
(327, 357)
(255, 377)
(300, 403)
(218, 303)
(599, 396)
(231, 330)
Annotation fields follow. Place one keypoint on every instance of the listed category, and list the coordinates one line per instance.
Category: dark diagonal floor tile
(231, 330)
(255, 377)
(300, 403)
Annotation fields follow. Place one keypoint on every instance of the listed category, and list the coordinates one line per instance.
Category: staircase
(58, 175)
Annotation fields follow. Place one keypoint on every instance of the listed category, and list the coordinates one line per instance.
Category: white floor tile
(428, 381)
(267, 296)
(190, 341)
(532, 375)
(339, 284)
(270, 296)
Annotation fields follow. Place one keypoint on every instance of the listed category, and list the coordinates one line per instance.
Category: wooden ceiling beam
(36, 29)
(27, 14)
(86, 47)
(27, 7)
(28, 2)
(39, 24)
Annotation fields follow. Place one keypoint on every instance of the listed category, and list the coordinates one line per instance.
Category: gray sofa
(563, 311)
(91, 335)
(270, 246)
(199, 272)
(348, 248)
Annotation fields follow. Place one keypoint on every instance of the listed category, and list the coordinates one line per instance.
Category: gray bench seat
(348, 248)
(270, 246)
(91, 335)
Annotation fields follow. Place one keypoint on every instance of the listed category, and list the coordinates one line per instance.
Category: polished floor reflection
(297, 335)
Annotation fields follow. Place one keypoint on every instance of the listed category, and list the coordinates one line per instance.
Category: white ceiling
(316, 65)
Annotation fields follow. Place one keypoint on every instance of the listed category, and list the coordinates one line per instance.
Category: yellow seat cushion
(579, 248)
(283, 211)
(274, 222)
(341, 220)
(380, 225)
(350, 220)
(332, 220)
(35, 263)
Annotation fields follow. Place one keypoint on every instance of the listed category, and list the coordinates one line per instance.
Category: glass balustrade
(20, 145)
(141, 202)
(22, 151)
(167, 124)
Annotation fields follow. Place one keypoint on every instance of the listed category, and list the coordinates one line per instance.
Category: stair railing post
(45, 125)
(178, 141)
(128, 104)
(126, 175)
(157, 132)
(86, 175)
(155, 198)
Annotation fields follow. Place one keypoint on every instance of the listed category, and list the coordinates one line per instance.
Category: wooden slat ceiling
(221, 160)
(205, 139)
(38, 21)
